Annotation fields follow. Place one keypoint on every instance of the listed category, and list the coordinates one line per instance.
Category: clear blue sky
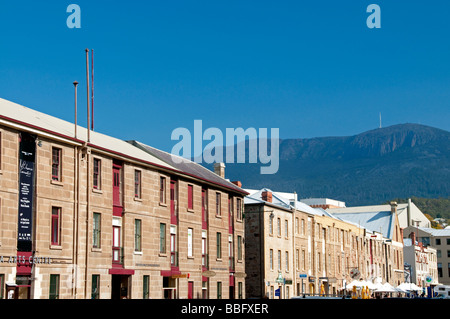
(309, 68)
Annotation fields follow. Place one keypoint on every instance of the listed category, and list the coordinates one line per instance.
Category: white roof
(322, 201)
(41, 122)
(436, 232)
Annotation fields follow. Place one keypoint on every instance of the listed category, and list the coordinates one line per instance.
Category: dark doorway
(119, 286)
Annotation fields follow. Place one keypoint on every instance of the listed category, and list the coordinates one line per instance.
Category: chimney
(408, 212)
(266, 196)
(412, 235)
(237, 183)
(219, 169)
(393, 207)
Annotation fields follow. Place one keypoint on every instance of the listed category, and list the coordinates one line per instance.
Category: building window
(271, 258)
(162, 190)
(279, 227)
(239, 209)
(146, 287)
(97, 174)
(239, 241)
(137, 235)
(204, 248)
(173, 246)
(162, 238)
(190, 197)
(286, 254)
(319, 262)
(439, 268)
(219, 245)
(240, 295)
(189, 241)
(270, 225)
(304, 259)
(230, 252)
(286, 229)
(2, 285)
(218, 212)
(279, 260)
(56, 226)
(438, 241)
(96, 236)
(137, 184)
(219, 290)
(54, 287)
(56, 164)
(95, 289)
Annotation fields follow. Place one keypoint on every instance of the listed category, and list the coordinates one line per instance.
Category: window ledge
(96, 190)
(57, 183)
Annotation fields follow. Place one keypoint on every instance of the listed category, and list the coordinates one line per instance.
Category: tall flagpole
(92, 88)
(87, 87)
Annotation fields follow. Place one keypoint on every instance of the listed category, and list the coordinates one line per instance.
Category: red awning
(121, 271)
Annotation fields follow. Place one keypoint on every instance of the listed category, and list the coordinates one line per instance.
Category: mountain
(399, 161)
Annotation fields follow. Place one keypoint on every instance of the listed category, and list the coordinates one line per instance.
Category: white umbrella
(406, 286)
(369, 284)
(377, 285)
(415, 287)
(386, 288)
(356, 283)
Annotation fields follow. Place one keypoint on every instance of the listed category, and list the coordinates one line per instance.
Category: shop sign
(23, 260)
(26, 182)
(209, 273)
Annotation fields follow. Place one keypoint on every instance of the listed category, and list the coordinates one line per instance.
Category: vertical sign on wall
(26, 182)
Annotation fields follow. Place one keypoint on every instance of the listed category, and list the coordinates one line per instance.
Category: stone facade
(76, 230)
(317, 253)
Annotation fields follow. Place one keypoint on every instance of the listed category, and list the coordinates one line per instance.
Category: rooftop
(41, 124)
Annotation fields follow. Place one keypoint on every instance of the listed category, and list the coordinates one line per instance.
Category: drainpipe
(88, 188)
(76, 208)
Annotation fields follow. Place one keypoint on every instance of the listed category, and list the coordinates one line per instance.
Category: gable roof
(376, 221)
(41, 124)
(436, 232)
(277, 199)
(188, 167)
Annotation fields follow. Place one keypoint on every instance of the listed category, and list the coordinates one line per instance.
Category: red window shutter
(190, 197)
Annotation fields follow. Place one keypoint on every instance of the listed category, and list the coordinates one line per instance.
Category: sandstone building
(85, 215)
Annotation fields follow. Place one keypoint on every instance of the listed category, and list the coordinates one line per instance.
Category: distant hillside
(399, 161)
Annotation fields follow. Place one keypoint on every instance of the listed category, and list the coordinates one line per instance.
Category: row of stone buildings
(294, 249)
(84, 215)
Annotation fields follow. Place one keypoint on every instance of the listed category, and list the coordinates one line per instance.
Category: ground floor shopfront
(54, 280)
